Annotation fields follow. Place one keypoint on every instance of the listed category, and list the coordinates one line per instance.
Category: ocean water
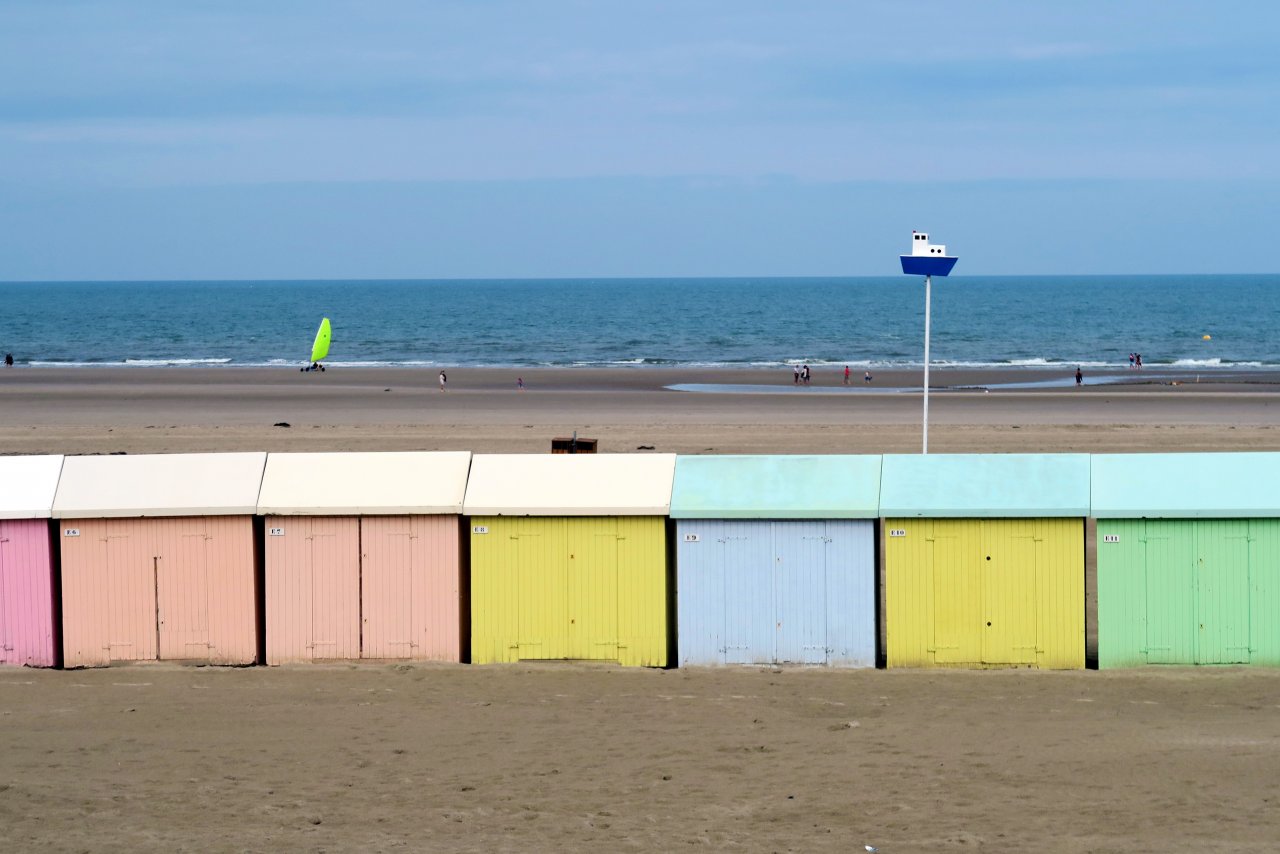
(1091, 321)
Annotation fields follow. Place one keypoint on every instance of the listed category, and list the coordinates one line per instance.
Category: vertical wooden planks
(411, 587)
(26, 593)
(312, 588)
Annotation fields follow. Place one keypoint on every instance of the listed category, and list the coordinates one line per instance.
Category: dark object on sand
(573, 445)
(8, 360)
(282, 424)
(644, 447)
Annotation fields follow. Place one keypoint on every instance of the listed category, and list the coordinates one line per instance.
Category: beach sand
(555, 757)
(574, 757)
(136, 410)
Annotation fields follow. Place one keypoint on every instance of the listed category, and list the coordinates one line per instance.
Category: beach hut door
(800, 588)
(955, 600)
(1222, 620)
(6, 642)
(324, 583)
(540, 590)
(1169, 557)
(388, 590)
(747, 570)
(182, 594)
(1010, 604)
(593, 594)
(130, 594)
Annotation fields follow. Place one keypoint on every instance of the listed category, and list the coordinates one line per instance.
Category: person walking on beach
(8, 360)
(846, 374)
(443, 380)
(1131, 360)
(795, 370)
(866, 377)
(804, 374)
(1079, 377)
(519, 383)
(1137, 360)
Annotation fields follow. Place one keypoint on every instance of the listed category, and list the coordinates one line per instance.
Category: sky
(492, 139)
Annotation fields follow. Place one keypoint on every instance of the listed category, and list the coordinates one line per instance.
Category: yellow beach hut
(984, 559)
(569, 557)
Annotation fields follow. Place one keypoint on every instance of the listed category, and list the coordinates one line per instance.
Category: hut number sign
(480, 529)
(897, 532)
(71, 532)
(276, 532)
(1111, 538)
(692, 538)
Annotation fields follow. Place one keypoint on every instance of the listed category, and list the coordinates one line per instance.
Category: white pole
(927, 291)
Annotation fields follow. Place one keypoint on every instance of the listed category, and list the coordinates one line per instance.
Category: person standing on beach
(519, 383)
(866, 377)
(1131, 360)
(8, 360)
(1137, 360)
(804, 374)
(795, 370)
(1079, 377)
(443, 380)
(846, 374)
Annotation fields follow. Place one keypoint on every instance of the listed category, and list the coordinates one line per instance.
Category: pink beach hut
(158, 558)
(363, 555)
(27, 635)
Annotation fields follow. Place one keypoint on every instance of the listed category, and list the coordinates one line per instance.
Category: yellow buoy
(1206, 337)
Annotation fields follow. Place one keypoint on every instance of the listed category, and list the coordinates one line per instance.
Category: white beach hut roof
(27, 486)
(159, 485)
(419, 482)
(570, 485)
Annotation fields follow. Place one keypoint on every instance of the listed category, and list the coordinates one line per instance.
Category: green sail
(320, 349)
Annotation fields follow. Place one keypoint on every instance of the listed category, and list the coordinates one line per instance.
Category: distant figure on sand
(795, 369)
(519, 383)
(443, 380)
(804, 375)
(1137, 360)
(1079, 378)
(1131, 360)
(846, 374)
(866, 377)
(8, 360)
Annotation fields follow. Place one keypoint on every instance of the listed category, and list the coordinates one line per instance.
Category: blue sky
(523, 139)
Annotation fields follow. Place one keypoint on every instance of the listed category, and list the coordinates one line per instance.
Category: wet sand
(578, 757)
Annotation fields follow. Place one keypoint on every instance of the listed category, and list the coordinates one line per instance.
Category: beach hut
(158, 558)
(1188, 558)
(775, 559)
(569, 557)
(27, 620)
(363, 555)
(984, 559)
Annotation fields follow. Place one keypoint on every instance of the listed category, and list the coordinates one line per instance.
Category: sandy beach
(136, 410)
(575, 757)
(579, 758)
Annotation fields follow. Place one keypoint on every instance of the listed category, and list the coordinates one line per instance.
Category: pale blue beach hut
(775, 559)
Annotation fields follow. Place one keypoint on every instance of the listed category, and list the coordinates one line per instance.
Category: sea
(1204, 322)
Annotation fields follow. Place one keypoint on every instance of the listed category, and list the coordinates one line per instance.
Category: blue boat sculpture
(927, 259)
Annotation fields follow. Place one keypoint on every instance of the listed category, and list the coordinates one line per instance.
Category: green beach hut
(1188, 558)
